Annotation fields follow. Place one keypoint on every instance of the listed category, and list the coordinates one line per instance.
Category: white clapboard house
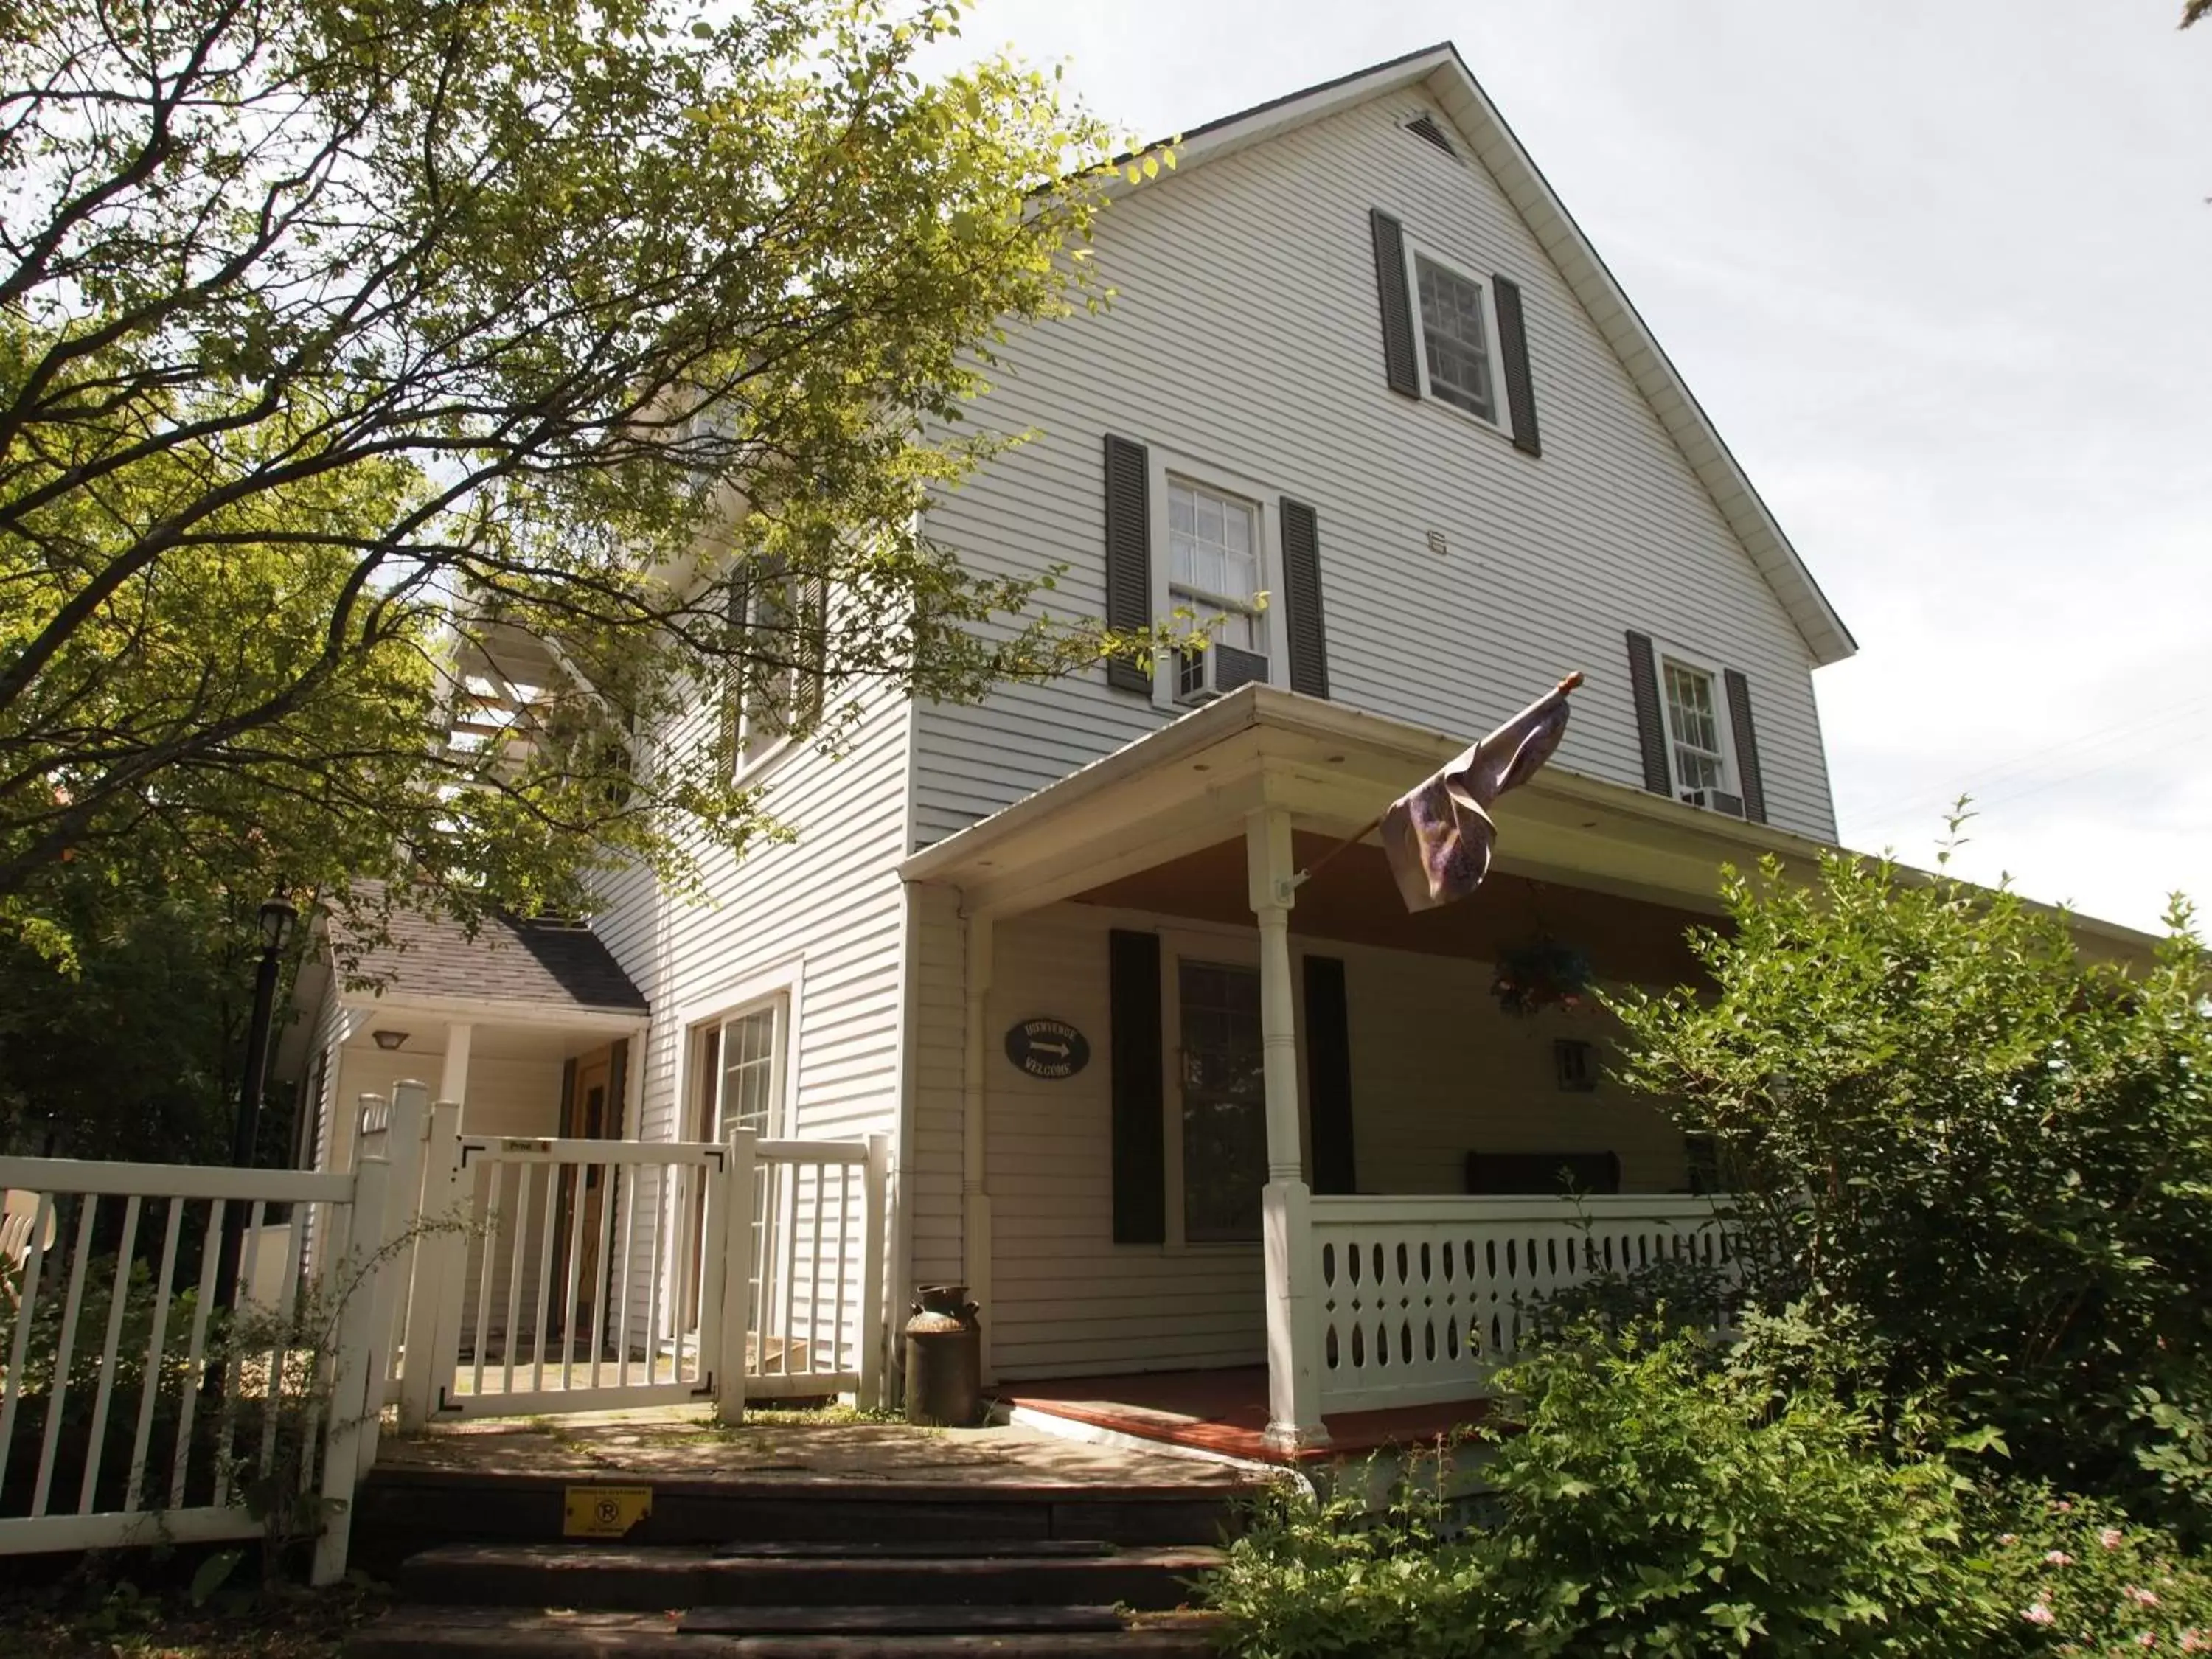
(1162, 1106)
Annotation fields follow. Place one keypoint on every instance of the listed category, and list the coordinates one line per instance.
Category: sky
(1940, 271)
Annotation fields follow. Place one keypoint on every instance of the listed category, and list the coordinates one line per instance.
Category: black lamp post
(277, 916)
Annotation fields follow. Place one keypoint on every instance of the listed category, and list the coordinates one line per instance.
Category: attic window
(1424, 126)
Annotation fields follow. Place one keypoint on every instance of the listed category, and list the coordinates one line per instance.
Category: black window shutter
(1328, 1077)
(1301, 594)
(1650, 730)
(568, 1093)
(1746, 746)
(1129, 555)
(612, 1126)
(1513, 347)
(1140, 1201)
(1397, 310)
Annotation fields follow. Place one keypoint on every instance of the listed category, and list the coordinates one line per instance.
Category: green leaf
(210, 1574)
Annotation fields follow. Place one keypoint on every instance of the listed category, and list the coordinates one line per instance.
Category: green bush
(1994, 1154)
(2069, 1576)
(1656, 1504)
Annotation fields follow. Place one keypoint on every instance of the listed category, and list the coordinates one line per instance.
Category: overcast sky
(1943, 275)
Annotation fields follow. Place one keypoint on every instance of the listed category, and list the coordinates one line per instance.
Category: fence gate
(570, 1275)
(589, 1275)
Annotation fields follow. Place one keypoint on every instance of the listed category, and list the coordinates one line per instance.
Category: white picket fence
(449, 1276)
(204, 1419)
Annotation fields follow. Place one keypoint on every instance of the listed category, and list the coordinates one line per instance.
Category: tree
(340, 339)
(1988, 1158)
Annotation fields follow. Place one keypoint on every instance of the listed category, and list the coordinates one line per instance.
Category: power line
(2040, 759)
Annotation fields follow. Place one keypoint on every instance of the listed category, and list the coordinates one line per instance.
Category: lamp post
(277, 916)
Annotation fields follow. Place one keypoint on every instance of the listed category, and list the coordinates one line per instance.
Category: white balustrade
(1420, 1299)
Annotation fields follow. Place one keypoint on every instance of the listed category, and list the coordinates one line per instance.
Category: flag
(1437, 837)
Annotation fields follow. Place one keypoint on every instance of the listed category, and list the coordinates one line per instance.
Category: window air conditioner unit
(1716, 800)
(1202, 675)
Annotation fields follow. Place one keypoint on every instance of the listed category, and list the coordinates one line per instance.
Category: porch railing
(1419, 1300)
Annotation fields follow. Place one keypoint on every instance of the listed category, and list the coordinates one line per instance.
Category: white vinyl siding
(817, 920)
(1550, 559)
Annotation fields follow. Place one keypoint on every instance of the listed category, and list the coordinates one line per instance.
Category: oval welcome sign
(1047, 1048)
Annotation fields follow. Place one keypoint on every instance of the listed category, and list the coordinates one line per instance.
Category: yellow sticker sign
(604, 1511)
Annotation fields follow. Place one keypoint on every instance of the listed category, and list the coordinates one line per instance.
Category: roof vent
(1424, 126)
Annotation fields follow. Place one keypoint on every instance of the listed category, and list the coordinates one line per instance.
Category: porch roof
(1190, 785)
(519, 966)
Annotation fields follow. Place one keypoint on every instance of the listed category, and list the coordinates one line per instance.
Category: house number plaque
(1047, 1048)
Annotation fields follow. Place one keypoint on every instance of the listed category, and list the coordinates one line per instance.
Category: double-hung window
(1694, 701)
(1458, 315)
(1214, 573)
(778, 628)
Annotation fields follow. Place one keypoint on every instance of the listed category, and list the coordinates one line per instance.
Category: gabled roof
(1443, 75)
(555, 965)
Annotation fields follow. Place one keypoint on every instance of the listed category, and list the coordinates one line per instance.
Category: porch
(1309, 1147)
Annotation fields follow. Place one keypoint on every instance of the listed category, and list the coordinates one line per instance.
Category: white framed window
(738, 1071)
(773, 693)
(1456, 314)
(1700, 740)
(1218, 563)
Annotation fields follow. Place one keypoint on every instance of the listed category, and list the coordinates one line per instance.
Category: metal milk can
(944, 1360)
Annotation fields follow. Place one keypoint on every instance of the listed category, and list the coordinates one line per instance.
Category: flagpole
(1376, 822)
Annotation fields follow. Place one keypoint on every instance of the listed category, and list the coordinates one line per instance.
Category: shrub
(1307, 1578)
(1659, 1504)
(2071, 1575)
(1997, 1154)
(1656, 1505)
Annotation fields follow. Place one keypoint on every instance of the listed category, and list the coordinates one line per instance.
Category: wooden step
(893, 1622)
(415, 1632)
(399, 1509)
(886, 1548)
(624, 1577)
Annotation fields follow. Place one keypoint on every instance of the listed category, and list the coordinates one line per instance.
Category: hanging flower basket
(1542, 975)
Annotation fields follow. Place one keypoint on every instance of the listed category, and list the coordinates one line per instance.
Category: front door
(590, 1112)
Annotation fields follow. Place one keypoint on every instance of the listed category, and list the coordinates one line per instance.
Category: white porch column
(1293, 1316)
(975, 1198)
(453, 1081)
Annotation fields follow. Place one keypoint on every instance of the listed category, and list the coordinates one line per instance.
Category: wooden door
(589, 1112)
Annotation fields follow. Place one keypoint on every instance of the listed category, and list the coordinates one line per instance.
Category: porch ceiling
(1190, 785)
(1355, 901)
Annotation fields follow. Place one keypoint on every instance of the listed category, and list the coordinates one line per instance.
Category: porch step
(414, 1633)
(401, 1509)
(627, 1578)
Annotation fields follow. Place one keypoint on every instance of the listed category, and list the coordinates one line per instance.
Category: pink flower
(2193, 1643)
(2058, 1559)
(2008, 1539)
(2141, 1597)
(2110, 1538)
(2036, 1613)
(2146, 1640)
(2064, 1507)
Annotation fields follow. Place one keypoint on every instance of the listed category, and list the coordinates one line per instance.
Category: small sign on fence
(604, 1511)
